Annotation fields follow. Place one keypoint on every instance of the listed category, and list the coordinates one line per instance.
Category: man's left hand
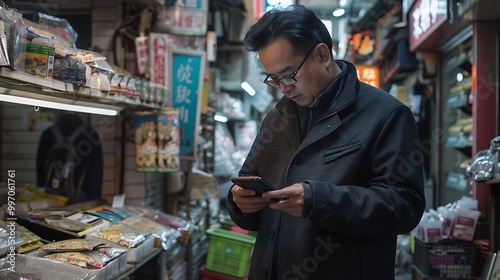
(288, 199)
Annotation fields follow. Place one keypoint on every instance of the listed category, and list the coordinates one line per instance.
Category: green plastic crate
(227, 223)
(229, 252)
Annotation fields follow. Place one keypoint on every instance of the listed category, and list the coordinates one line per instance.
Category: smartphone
(255, 183)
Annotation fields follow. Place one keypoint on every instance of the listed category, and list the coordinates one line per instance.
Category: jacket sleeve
(248, 221)
(394, 200)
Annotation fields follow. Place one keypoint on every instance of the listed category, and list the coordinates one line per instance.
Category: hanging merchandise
(168, 140)
(146, 141)
(157, 141)
(70, 160)
(486, 163)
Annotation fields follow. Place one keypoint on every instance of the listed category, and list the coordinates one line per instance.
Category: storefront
(459, 43)
(150, 98)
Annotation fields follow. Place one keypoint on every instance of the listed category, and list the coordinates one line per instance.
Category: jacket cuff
(308, 199)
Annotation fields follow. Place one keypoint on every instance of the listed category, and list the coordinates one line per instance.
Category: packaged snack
(80, 259)
(74, 245)
(111, 252)
(39, 57)
(30, 241)
(123, 234)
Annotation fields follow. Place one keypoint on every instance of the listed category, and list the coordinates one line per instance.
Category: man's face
(279, 61)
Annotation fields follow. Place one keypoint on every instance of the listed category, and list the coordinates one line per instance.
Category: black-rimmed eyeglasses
(287, 80)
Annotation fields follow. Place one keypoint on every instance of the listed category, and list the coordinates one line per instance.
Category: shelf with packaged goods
(22, 84)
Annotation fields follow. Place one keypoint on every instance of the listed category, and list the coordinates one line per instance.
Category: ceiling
(324, 8)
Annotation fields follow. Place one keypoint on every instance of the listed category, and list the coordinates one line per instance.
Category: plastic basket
(446, 258)
(229, 252)
(227, 223)
(210, 275)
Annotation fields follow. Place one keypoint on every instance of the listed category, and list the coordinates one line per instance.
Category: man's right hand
(247, 200)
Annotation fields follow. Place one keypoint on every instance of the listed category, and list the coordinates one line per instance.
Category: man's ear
(323, 53)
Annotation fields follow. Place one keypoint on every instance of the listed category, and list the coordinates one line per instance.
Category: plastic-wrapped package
(123, 234)
(104, 261)
(81, 259)
(30, 241)
(72, 245)
(166, 234)
(61, 47)
(184, 227)
(25, 267)
(15, 30)
(137, 242)
(7, 239)
(58, 26)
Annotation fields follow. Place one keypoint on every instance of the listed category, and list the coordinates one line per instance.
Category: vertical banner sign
(158, 67)
(187, 69)
(184, 17)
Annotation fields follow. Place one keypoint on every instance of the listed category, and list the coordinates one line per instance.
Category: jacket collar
(347, 95)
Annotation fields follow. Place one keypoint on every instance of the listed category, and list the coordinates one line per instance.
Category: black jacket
(361, 168)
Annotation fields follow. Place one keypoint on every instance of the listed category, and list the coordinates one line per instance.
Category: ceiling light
(338, 12)
(57, 105)
(220, 118)
(248, 88)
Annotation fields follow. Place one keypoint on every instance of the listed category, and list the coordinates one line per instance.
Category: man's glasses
(287, 80)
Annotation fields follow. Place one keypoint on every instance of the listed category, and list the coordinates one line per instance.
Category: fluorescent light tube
(57, 105)
(220, 118)
(248, 88)
(338, 12)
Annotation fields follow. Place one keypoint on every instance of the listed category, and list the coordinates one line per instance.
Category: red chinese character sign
(425, 17)
(369, 75)
(158, 67)
(187, 68)
(183, 17)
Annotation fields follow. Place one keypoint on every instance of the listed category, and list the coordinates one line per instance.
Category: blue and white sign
(187, 68)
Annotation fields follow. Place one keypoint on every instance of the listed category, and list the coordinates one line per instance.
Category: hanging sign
(369, 75)
(183, 17)
(187, 69)
(425, 17)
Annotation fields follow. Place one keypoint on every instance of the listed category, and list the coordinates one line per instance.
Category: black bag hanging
(62, 158)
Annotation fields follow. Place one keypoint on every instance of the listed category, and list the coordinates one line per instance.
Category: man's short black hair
(299, 25)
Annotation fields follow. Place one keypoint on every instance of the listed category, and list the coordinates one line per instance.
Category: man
(345, 157)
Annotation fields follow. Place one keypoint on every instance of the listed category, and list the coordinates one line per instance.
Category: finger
(276, 195)
(250, 208)
(237, 190)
